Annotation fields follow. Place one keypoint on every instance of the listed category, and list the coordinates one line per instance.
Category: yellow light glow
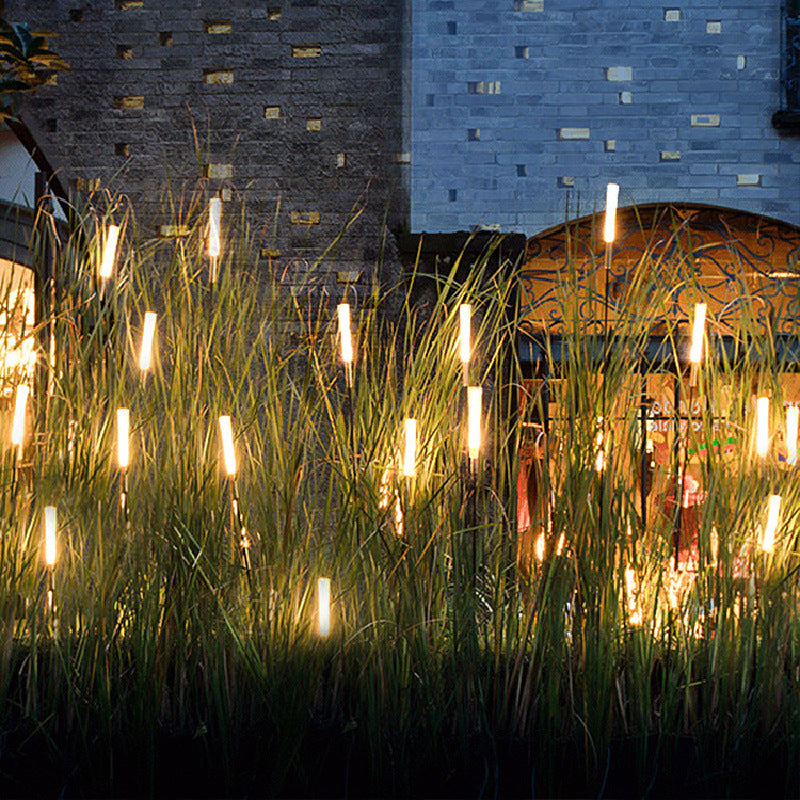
(673, 585)
(123, 437)
(630, 580)
(20, 403)
(386, 480)
(214, 217)
(464, 317)
(18, 333)
(398, 516)
(612, 198)
(540, 542)
(474, 401)
(792, 413)
(600, 456)
(109, 252)
(560, 545)
(50, 535)
(698, 330)
(762, 426)
(228, 452)
(773, 514)
(148, 332)
(324, 603)
(410, 451)
(634, 615)
(343, 310)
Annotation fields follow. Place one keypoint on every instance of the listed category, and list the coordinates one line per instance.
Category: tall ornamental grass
(180, 649)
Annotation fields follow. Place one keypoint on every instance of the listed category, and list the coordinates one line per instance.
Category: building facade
(431, 116)
(293, 107)
(522, 111)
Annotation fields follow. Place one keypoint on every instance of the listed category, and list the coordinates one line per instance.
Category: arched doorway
(575, 297)
(20, 340)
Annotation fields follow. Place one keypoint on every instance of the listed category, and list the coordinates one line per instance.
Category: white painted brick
(304, 217)
(219, 171)
(610, 145)
(529, 5)
(741, 62)
(217, 26)
(672, 14)
(483, 87)
(748, 179)
(619, 74)
(306, 51)
(714, 26)
(349, 277)
(625, 98)
(218, 76)
(705, 120)
(573, 133)
(172, 231)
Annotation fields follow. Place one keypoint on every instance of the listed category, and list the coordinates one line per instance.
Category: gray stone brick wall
(672, 100)
(296, 104)
(504, 114)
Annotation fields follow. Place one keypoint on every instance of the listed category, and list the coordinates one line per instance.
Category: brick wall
(523, 108)
(296, 104)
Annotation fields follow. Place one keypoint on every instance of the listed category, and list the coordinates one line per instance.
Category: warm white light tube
(109, 252)
(612, 198)
(228, 452)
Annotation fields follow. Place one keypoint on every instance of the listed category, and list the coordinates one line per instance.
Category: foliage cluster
(165, 666)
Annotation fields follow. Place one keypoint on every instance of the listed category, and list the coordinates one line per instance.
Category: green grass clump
(457, 661)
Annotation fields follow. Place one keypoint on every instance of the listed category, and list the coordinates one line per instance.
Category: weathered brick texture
(672, 101)
(247, 76)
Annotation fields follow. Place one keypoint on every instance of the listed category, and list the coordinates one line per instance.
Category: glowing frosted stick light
(345, 337)
(464, 318)
(792, 413)
(696, 350)
(612, 198)
(698, 329)
(474, 402)
(109, 252)
(228, 452)
(123, 437)
(214, 217)
(410, 452)
(148, 332)
(18, 426)
(343, 310)
(324, 603)
(50, 536)
(762, 426)
(773, 514)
